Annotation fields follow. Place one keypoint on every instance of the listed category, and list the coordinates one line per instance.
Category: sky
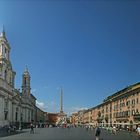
(91, 48)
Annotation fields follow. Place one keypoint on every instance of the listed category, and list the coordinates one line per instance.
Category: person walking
(32, 128)
(97, 133)
(114, 130)
(138, 131)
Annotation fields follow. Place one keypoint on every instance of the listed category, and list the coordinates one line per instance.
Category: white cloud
(33, 90)
(48, 107)
(41, 105)
(71, 110)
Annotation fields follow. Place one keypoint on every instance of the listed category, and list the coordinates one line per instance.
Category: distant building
(74, 118)
(40, 116)
(52, 118)
(121, 109)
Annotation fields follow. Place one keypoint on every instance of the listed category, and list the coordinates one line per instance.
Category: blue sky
(90, 47)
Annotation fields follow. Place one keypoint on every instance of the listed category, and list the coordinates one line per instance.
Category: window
(114, 107)
(16, 116)
(137, 111)
(133, 102)
(114, 114)
(128, 112)
(5, 75)
(120, 114)
(29, 115)
(137, 100)
(6, 109)
(1, 47)
(103, 111)
(110, 108)
(106, 109)
(128, 103)
(5, 50)
(133, 112)
(5, 115)
(123, 113)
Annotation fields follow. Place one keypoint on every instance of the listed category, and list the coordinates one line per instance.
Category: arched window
(25, 80)
(16, 114)
(5, 74)
(6, 109)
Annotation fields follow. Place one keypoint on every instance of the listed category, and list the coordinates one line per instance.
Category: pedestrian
(114, 130)
(87, 127)
(138, 131)
(32, 128)
(130, 130)
(97, 133)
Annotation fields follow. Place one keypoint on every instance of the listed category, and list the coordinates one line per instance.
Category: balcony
(99, 119)
(136, 116)
(122, 118)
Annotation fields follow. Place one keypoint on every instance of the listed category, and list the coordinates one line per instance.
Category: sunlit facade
(121, 109)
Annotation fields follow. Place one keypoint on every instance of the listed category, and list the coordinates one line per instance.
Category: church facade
(16, 107)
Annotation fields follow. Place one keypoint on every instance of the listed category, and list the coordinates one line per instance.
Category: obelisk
(61, 101)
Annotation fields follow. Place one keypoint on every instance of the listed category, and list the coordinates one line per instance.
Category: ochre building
(121, 109)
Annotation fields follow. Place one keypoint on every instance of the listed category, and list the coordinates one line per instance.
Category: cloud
(71, 110)
(48, 107)
(41, 105)
(33, 90)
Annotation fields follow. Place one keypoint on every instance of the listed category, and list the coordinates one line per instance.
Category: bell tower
(4, 48)
(26, 83)
(6, 72)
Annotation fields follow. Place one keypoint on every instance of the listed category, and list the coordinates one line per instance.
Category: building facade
(121, 109)
(74, 118)
(53, 118)
(40, 116)
(16, 107)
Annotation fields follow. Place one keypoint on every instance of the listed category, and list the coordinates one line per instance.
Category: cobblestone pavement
(68, 134)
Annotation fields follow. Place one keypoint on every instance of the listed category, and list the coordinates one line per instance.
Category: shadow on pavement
(5, 134)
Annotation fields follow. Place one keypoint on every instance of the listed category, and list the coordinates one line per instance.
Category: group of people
(97, 131)
(114, 130)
